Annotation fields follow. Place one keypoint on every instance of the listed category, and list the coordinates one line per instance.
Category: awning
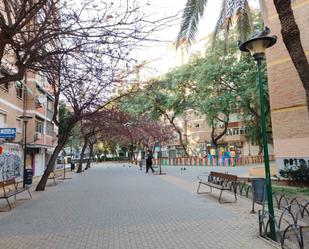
(40, 146)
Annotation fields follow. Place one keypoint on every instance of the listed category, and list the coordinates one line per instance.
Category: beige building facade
(289, 113)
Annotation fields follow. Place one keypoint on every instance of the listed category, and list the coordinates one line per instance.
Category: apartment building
(289, 112)
(30, 97)
(196, 135)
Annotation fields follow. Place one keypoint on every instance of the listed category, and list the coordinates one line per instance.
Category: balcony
(37, 136)
(238, 137)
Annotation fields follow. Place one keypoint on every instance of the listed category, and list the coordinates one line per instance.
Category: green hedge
(298, 173)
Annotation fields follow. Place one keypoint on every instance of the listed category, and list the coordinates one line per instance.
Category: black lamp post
(25, 119)
(257, 46)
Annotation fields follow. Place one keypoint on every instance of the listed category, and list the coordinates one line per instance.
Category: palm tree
(291, 38)
(230, 9)
(240, 10)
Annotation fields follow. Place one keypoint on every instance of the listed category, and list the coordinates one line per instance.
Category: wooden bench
(10, 188)
(219, 181)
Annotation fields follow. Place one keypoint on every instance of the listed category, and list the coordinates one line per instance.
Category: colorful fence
(211, 161)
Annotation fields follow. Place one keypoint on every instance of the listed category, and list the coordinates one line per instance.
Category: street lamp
(257, 46)
(25, 119)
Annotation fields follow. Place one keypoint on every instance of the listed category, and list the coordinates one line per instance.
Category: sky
(171, 7)
(159, 57)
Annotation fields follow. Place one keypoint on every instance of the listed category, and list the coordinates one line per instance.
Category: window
(235, 131)
(50, 105)
(19, 89)
(2, 120)
(197, 125)
(49, 129)
(229, 132)
(39, 126)
(18, 125)
(5, 86)
(50, 108)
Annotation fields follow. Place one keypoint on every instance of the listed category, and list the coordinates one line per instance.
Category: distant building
(197, 137)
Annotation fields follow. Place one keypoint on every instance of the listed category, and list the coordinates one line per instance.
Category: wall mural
(10, 165)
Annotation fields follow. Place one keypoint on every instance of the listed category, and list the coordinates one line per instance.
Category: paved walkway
(116, 207)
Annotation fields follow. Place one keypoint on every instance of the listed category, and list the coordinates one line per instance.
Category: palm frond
(193, 10)
(263, 10)
(244, 22)
(219, 23)
(243, 26)
(224, 21)
(230, 9)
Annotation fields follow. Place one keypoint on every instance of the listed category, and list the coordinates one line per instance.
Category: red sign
(1, 150)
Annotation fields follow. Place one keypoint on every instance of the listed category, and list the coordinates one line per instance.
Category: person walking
(141, 162)
(149, 162)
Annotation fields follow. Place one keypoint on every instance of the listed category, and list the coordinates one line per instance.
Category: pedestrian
(140, 159)
(149, 162)
(141, 162)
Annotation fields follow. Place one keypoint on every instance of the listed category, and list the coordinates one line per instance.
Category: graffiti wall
(10, 165)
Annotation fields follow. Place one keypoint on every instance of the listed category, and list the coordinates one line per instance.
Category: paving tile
(116, 207)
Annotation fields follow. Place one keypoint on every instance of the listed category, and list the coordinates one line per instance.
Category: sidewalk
(116, 207)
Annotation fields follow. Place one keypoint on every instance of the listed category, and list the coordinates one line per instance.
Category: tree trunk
(180, 138)
(80, 164)
(132, 157)
(214, 137)
(260, 140)
(51, 164)
(291, 38)
(213, 140)
(171, 120)
(90, 156)
(183, 145)
(260, 146)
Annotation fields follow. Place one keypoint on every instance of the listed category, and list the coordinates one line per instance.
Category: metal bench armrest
(202, 177)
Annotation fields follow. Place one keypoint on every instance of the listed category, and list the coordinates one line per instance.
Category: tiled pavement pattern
(118, 207)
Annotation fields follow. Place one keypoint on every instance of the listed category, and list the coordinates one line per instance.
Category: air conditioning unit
(37, 135)
(40, 101)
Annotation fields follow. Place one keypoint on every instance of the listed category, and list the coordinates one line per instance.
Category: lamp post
(25, 119)
(257, 46)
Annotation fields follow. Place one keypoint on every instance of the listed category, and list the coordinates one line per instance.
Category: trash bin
(28, 176)
(259, 191)
(72, 166)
